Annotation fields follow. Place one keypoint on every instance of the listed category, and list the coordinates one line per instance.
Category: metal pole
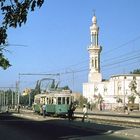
(12, 99)
(18, 88)
(0, 101)
(73, 79)
(4, 98)
(71, 71)
(124, 94)
(0, 98)
(29, 99)
(17, 93)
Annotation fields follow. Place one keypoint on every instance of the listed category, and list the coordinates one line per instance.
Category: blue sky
(57, 36)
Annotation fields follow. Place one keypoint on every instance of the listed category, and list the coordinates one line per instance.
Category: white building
(117, 87)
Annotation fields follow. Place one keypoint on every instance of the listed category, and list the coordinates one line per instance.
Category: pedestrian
(70, 112)
(85, 113)
(18, 108)
(44, 110)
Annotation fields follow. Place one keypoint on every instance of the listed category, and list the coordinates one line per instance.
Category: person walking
(18, 108)
(71, 112)
(85, 113)
(44, 110)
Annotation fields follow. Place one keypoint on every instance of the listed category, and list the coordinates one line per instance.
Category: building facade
(118, 87)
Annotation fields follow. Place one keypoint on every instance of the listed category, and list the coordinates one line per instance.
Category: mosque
(116, 89)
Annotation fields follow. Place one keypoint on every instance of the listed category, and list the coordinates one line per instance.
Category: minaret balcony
(94, 48)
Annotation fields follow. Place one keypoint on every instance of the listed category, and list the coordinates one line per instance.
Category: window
(68, 100)
(37, 100)
(49, 100)
(96, 62)
(63, 100)
(59, 100)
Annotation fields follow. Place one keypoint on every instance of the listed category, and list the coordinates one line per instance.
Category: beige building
(117, 87)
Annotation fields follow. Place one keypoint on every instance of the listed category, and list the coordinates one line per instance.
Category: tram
(57, 102)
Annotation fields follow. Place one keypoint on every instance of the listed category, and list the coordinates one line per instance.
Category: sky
(56, 37)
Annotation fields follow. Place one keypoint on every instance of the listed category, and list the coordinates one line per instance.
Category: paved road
(15, 128)
(18, 128)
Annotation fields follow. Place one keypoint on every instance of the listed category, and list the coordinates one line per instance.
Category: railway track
(113, 119)
(103, 118)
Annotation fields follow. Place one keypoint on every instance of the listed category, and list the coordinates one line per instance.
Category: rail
(117, 119)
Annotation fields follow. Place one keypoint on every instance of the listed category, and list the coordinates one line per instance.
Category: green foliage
(136, 71)
(131, 99)
(133, 87)
(14, 14)
(82, 100)
(118, 100)
(3, 35)
(24, 100)
(8, 96)
(53, 84)
(4, 63)
(66, 88)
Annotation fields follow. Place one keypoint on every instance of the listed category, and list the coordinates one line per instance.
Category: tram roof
(63, 93)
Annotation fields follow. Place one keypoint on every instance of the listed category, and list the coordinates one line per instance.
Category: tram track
(101, 118)
(113, 119)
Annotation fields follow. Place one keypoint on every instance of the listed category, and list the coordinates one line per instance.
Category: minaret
(94, 54)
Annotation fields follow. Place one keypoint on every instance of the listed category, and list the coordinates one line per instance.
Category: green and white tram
(57, 102)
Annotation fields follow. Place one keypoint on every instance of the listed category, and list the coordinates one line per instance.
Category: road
(22, 129)
(17, 128)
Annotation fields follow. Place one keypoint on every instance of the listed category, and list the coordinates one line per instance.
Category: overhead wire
(109, 59)
(123, 45)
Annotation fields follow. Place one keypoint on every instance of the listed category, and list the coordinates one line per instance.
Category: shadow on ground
(55, 129)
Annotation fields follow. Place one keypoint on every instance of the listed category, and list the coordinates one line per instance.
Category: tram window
(68, 100)
(37, 100)
(63, 100)
(49, 100)
(59, 100)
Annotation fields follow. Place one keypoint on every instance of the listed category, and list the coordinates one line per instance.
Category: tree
(133, 87)
(134, 92)
(82, 100)
(14, 14)
(136, 71)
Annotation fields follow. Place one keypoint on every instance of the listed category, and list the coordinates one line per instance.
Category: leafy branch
(14, 14)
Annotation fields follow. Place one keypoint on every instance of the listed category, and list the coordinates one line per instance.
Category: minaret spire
(94, 53)
(94, 12)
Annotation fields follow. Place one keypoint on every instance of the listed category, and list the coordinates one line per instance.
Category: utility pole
(29, 99)
(0, 101)
(124, 92)
(72, 71)
(17, 93)
(12, 99)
